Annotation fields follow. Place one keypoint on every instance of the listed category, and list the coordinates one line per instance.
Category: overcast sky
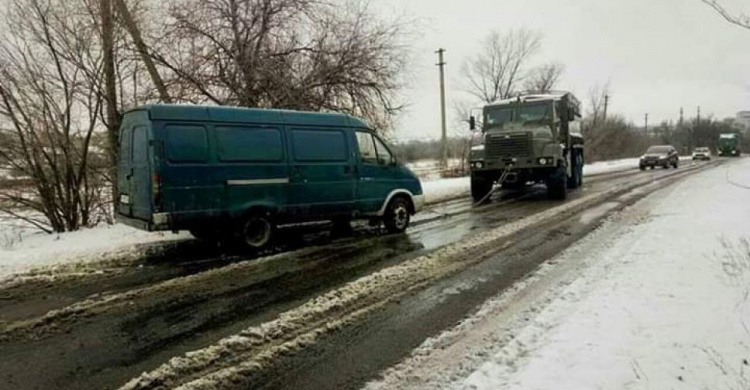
(657, 55)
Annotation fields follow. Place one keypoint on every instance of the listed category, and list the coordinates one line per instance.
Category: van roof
(248, 115)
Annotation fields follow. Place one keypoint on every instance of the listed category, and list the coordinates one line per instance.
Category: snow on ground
(444, 189)
(23, 249)
(658, 298)
(602, 167)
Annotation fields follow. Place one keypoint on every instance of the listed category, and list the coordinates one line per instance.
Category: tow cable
(500, 181)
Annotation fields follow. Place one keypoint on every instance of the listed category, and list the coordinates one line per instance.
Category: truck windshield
(497, 117)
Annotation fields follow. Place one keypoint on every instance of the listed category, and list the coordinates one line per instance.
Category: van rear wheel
(257, 231)
(397, 216)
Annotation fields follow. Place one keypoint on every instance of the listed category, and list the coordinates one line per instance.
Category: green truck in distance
(729, 144)
(531, 138)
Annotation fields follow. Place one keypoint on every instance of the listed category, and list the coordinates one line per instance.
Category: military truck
(531, 138)
(729, 144)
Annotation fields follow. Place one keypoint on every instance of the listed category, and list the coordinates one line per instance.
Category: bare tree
(544, 78)
(498, 69)
(738, 19)
(297, 54)
(50, 101)
(596, 98)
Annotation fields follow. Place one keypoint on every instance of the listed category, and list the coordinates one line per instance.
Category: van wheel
(342, 227)
(257, 231)
(397, 216)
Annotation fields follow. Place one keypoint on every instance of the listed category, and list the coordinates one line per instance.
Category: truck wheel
(480, 187)
(574, 181)
(257, 231)
(557, 185)
(396, 218)
(676, 164)
(642, 167)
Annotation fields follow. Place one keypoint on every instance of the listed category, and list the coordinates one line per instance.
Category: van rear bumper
(160, 222)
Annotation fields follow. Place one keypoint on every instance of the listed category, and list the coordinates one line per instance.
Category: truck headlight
(543, 161)
(479, 165)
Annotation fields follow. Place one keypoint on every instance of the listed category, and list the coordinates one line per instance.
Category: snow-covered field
(657, 298)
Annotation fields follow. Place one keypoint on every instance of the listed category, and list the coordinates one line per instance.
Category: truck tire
(575, 179)
(257, 231)
(480, 187)
(557, 184)
(396, 218)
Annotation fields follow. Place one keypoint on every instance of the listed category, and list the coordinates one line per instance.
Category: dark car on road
(660, 155)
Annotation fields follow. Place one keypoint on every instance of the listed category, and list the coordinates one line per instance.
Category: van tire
(341, 227)
(257, 231)
(397, 216)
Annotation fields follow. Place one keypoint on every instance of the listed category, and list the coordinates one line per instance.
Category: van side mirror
(472, 123)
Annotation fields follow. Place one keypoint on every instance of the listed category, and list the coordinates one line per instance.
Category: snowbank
(24, 249)
(444, 189)
(663, 304)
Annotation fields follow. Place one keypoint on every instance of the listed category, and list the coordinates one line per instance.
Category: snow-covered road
(657, 298)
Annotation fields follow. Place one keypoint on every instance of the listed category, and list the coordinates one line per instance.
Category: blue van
(238, 172)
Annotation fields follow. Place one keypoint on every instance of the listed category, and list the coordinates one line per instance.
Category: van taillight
(156, 191)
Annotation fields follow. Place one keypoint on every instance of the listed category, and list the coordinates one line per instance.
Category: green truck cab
(729, 144)
(224, 172)
(531, 138)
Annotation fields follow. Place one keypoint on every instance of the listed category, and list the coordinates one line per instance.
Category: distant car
(660, 155)
(701, 153)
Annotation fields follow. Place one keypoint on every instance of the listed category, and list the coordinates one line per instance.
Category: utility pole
(441, 65)
(606, 104)
(681, 116)
(646, 127)
(698, 120)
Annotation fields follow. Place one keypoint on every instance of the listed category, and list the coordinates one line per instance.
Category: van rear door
(134, 169)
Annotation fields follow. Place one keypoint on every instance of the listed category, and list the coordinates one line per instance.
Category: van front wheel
(397, 216)
(257, 231)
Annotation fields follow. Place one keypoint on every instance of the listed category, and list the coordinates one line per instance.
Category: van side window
(249, 144)
(140, 144)
(319, 145)
(125, 144)
(367, 151)
(384, 155)
(187, 144)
